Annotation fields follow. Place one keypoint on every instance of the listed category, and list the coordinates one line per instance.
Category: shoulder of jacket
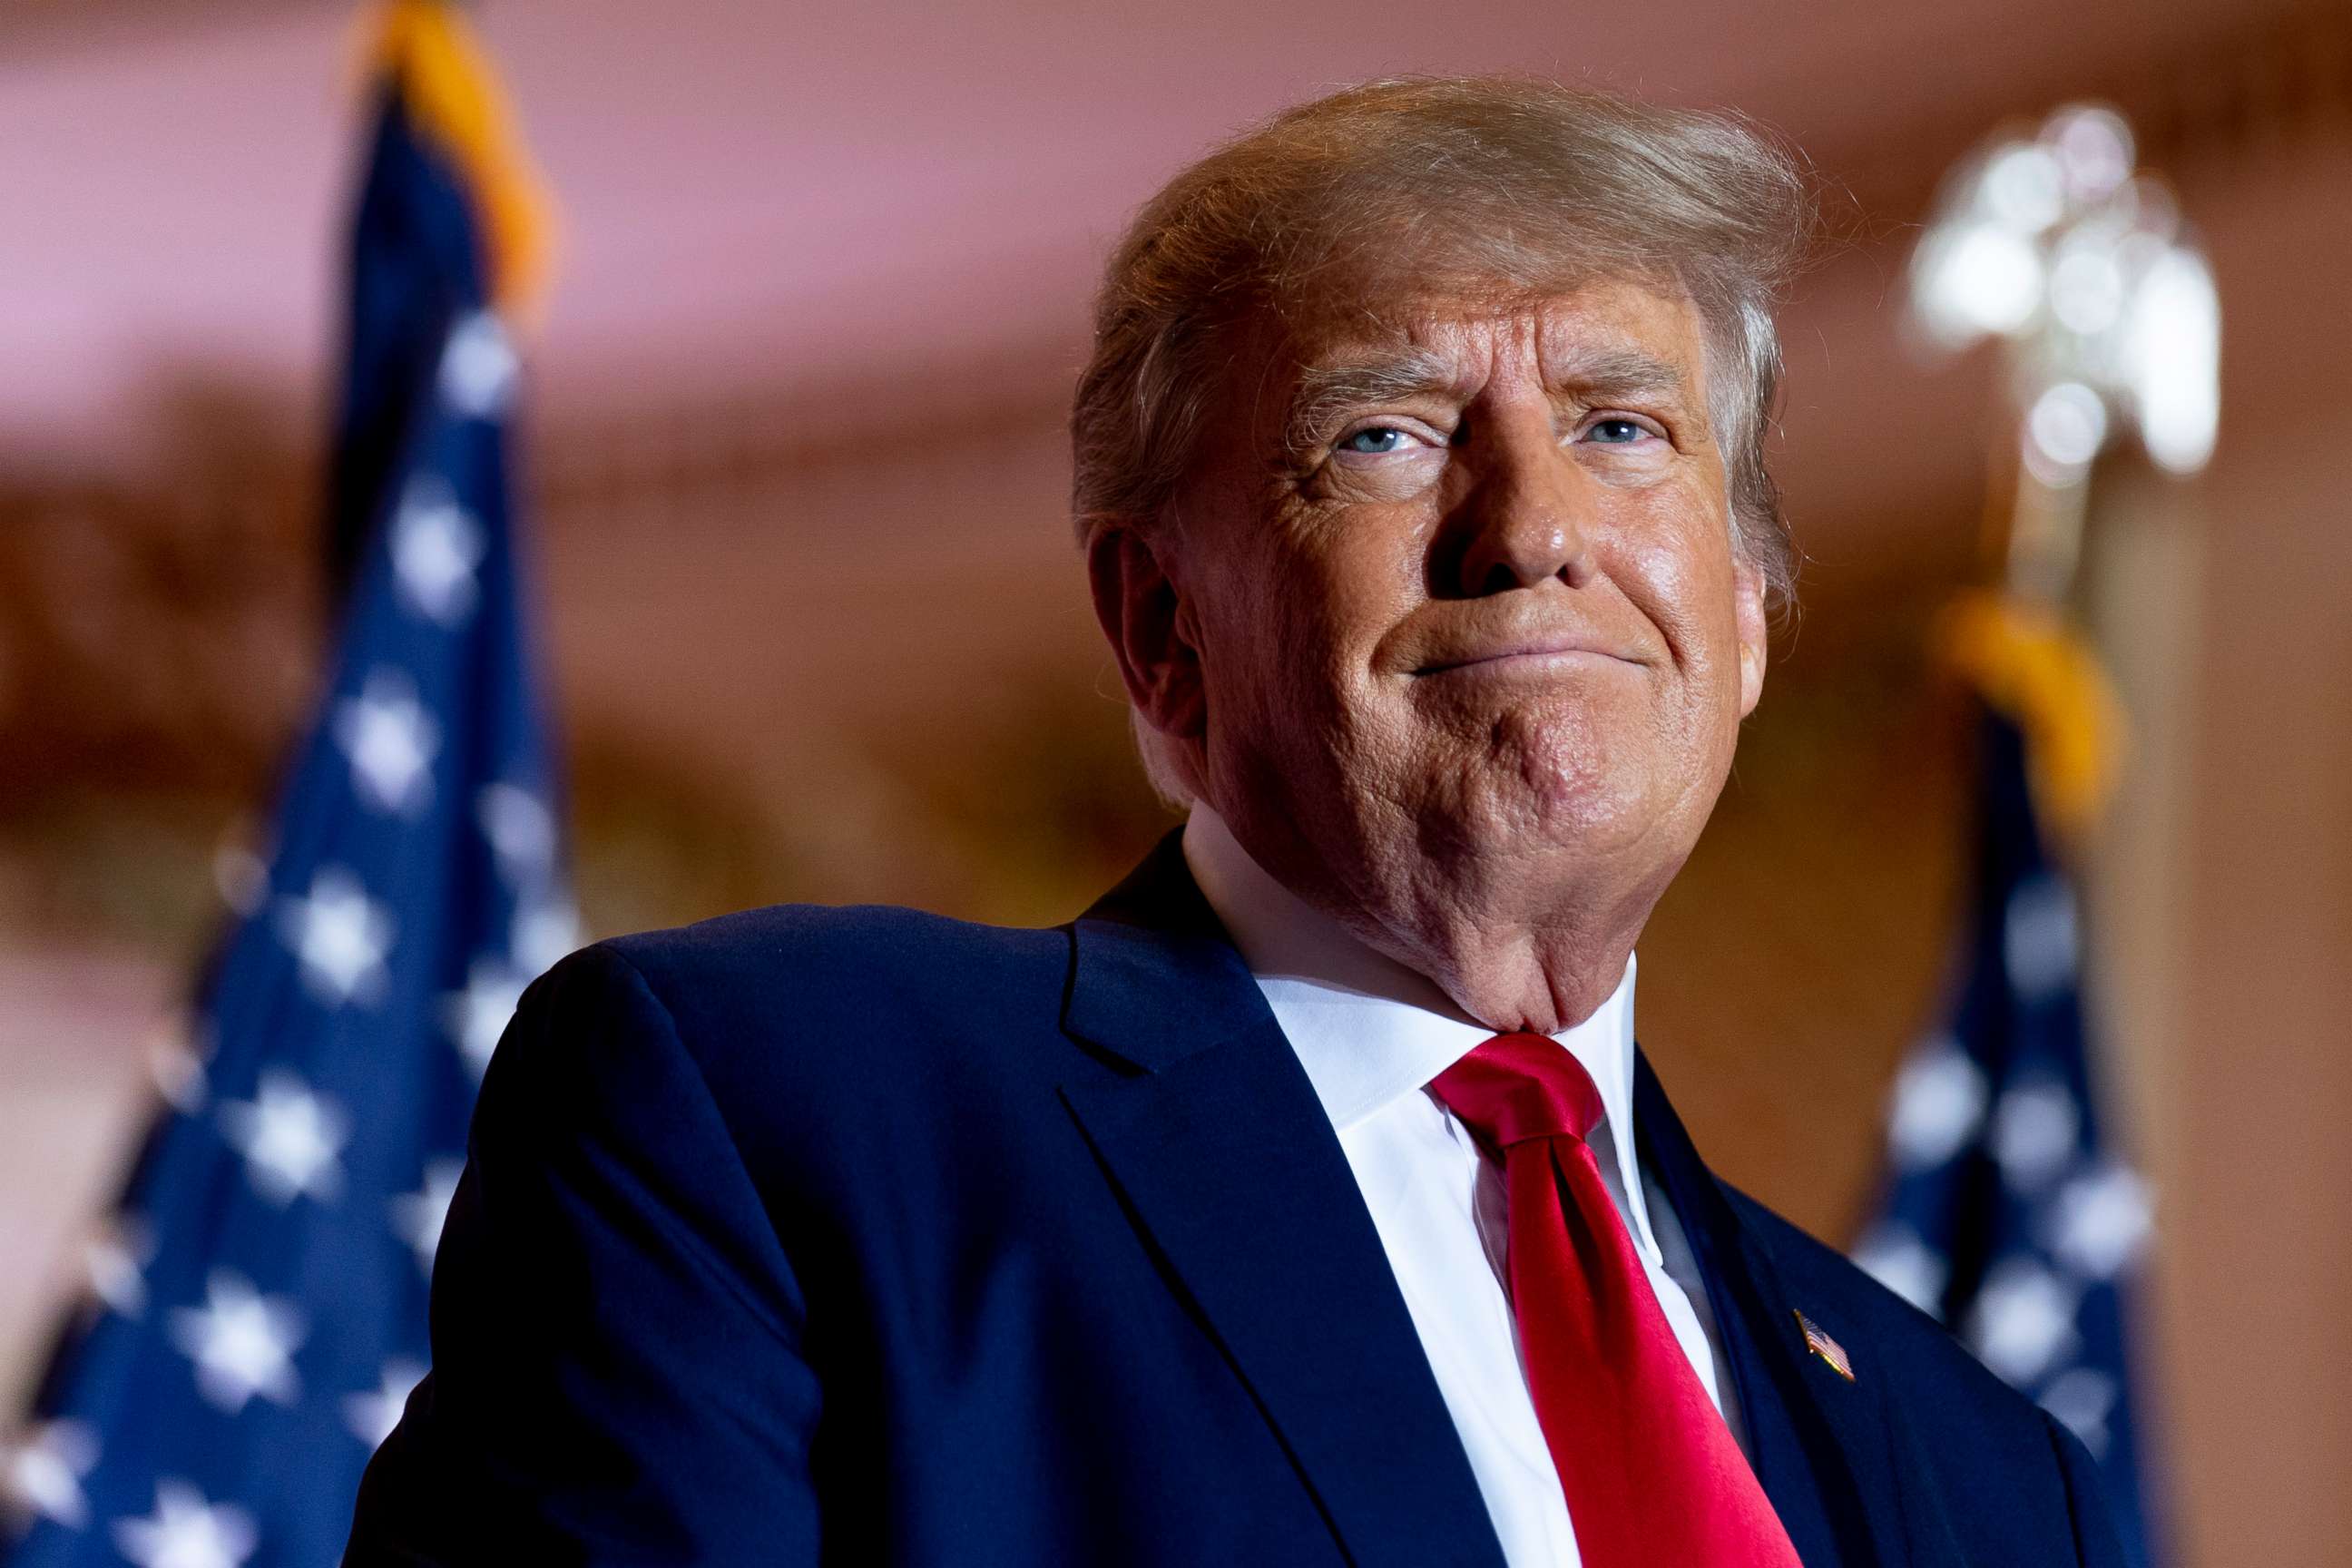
(818, 957)
(806, 994)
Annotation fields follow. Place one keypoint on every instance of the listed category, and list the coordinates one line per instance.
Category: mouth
(1534, 656)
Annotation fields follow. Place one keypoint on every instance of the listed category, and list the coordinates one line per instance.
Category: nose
(1526, 518)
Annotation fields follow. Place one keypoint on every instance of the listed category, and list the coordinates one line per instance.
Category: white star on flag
(341, 935)
(436, 545)
(242, 1342)
(479, 367)
(544, 933)
(185, 1531)
(2100, 1221)
(1894, 1254)
(521, 829)
(2024, 1320)
(2037, 941)
(477, 1016)
(2034, 1131)
(1939, 1103)
(391, 741)
(291, 1139)
(419, 1215)
(116, 1259)
(2082, 1398)
(372, 1416)
(44, 1471)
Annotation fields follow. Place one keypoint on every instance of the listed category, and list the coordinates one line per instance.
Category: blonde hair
(1522, 182)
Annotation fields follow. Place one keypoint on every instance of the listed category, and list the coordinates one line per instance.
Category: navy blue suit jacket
(864, 1237)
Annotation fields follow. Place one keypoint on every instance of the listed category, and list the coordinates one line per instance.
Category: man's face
(1463, 598)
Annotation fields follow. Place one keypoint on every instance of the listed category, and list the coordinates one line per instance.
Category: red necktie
(1651, 1474)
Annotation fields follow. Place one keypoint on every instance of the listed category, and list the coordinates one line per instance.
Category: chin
(1553, 784)
(1571, 773)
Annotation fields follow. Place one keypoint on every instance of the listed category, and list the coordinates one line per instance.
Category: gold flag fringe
(2032, 668)
(454, 100)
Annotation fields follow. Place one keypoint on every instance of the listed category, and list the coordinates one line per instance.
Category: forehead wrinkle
(1624, 371)
(1433, 349)
(1324, 392)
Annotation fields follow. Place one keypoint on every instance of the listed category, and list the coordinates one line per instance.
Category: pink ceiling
(809, 196)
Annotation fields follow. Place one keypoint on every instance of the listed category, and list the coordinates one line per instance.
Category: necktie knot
(1517, 1087)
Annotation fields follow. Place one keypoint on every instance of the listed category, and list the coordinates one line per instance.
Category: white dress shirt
(1371, 1035)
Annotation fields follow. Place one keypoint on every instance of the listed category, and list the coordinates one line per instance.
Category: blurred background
(794, 501)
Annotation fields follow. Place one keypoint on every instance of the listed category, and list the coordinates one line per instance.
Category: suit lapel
(1208, 1126)
(1204, 1120)
(1826, 1445)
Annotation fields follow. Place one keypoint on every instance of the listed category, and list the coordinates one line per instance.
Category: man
(1306, 1200)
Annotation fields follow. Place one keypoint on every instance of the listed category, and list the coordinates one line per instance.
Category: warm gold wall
(2255, 1165)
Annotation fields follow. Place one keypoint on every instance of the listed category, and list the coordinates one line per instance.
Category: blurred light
(1976, 281)
(2094, 147)
(2063, 431)
(2172, 360)
(2054, 246)
(2154, 212)
(2024, 189)
(2086, 288)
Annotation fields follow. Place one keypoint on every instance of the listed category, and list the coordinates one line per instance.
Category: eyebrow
(1327, 393)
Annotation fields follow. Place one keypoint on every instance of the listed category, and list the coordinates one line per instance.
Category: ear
(1144, 616)
(1747, 612)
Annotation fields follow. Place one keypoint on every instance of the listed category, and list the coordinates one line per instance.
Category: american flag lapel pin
(1827, 1349)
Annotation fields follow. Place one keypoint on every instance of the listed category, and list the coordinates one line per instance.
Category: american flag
(2007, 1214)
(258, 1309)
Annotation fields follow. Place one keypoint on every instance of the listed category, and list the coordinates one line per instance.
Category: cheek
(1347, 578)
(1280, 666)
(1680, 574)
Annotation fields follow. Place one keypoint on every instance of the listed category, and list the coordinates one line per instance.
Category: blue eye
(1616, 432)
(1375, 440)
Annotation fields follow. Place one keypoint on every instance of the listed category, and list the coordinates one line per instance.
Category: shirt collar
(1368, 1029)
